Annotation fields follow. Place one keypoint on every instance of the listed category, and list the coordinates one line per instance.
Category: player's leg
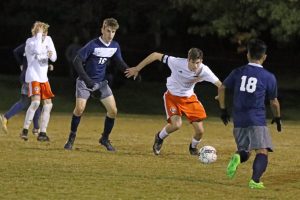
(195, 113)
(260, 141)
(22, 104)
(260, 164)
(199, 130)
(174, 124)
(78, 111)
(36, 118)
(35, 103)
(111, 109)
(45, 117)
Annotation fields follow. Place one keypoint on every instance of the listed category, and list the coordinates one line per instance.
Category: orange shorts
(190, 106)
(42, 89)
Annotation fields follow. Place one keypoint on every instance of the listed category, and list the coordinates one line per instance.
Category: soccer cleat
(107, 144)
(42, 137)
(193, 151)
(3, 123)
(157, 144)
(35, 131)
(24, 134)
(233, 164)
(70, 142)
(254, 185)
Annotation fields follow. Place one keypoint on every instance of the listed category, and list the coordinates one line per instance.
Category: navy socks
(259, 166)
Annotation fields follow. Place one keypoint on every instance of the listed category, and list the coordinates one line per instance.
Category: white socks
(195, 143)
(163, 134)
(45, 116)
(30, 113)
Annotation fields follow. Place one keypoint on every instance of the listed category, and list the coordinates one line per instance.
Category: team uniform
(180, 97)
(36, 52)
(251, 84)
(96, 55)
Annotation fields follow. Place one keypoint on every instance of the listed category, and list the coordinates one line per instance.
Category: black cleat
(157, 144)
(24, 134)
(70, 142)
(193, 151)
(42, 137)
(107, 144)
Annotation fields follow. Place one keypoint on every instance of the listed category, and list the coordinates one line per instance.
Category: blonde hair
(37, 25)
(111, 22)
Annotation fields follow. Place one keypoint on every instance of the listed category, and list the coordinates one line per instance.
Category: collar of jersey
(255, 64)
(106, 44)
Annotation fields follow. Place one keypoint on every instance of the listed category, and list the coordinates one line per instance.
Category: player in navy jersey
(90, 64)
(251, 84)
(24, 102)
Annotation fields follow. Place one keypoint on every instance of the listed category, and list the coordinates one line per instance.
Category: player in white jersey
(39, 49)
(180, 97)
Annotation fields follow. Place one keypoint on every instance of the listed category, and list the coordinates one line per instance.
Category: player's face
(44, 35)
(108, 34)
(194, 65)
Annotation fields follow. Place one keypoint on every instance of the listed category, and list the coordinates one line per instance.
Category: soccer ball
(207, 154)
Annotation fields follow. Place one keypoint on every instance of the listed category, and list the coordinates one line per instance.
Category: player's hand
(277, 120)
(133, 71)
(95, 87)
(225, 117)
(50, 67)
(21, 67)
(49, 53)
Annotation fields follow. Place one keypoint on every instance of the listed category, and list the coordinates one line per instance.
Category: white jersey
(182, 80)
(36, 52)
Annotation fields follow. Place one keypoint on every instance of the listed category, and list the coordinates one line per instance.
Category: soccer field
(34, 170)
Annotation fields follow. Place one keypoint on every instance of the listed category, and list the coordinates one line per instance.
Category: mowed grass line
(33, 170)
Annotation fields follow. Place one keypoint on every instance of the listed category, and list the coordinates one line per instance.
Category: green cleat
(254, 185)
(233, 164)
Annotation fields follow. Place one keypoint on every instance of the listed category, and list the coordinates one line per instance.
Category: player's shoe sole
(233, 165)
(3, 123)
(157, 144)
(254, 185)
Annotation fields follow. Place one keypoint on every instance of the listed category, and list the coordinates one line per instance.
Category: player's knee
(47, 107)
(177, 124)
(34, 104)
(79, 110)
(112, 113)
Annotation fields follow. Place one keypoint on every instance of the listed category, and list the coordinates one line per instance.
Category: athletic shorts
(83, 92)
(190, 106)
(42, 89)
(253, 137)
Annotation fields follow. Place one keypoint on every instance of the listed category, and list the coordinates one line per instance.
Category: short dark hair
(256, 49)
(194, 54)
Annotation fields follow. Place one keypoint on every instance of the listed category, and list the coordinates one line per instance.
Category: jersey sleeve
(118, 59)
(208, 75)
(272, 87)
(170, 61)
(85, 51)
(50, 47)
(229, 80)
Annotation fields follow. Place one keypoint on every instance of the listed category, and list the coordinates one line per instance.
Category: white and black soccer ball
(208, 154)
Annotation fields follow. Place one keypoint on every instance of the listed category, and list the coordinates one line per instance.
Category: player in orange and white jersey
(38, 50)
(180, 98)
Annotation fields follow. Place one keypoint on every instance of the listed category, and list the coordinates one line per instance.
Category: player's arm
(275, 108)
(134, 71)
(221, 98)
(78, 65)
(52, 55)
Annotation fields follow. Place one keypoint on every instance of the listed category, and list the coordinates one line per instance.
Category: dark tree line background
(220, 28)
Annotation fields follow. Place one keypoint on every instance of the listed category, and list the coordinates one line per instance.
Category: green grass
(33, 170)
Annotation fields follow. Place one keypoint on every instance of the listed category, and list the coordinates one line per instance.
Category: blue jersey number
(248, 84)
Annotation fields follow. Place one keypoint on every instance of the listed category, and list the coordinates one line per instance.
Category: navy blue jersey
(251, 85)
(96, 55)
(19, 54)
